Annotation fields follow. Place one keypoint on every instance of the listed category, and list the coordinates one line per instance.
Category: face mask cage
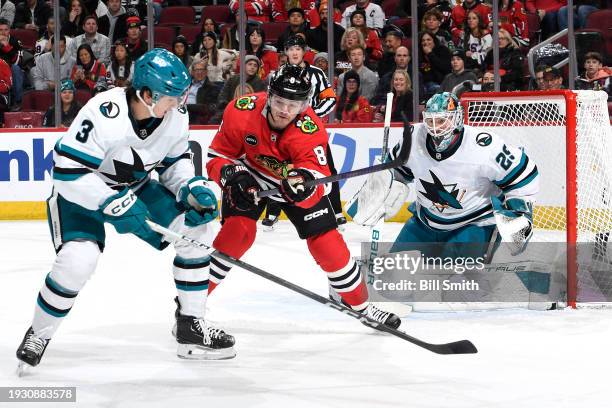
(441, 125)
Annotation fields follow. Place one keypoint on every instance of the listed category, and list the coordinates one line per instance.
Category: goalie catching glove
(513, 222)
(198, 201)
(380, 196)
(292, 187)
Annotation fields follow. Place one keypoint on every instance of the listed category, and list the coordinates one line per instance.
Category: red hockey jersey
(244, 137)
(514, 20)
(459, 17)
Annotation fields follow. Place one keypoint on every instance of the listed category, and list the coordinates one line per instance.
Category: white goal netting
(575, 206)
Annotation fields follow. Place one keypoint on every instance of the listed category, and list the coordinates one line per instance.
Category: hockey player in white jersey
(102, 174)
(467, 182)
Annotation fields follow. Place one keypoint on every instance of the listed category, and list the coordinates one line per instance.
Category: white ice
(115, 345)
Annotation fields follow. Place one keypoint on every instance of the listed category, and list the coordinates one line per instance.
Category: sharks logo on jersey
(442, 195)
(109, 109)
(129, 169)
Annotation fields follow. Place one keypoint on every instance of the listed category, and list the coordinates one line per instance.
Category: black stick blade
(456, 347)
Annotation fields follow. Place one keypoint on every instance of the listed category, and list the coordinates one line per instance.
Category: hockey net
(568, 135)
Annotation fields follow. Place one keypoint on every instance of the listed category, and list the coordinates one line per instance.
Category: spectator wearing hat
(297, 24)
(434, 62)
(121, 68)
(32, 15)
(100, 86)
(180, 48)
(552, 78)
(510, 62)
(282, 9)
(231, 88)
(321, 61)
(219, 61)
(458, 74)
(43, 72)
(99, 43)
(208, 26)
(258, 10)
(70, 106)
(317, 37)
(114, 23)
(136, 45)
(432, 22)
(393, 40)
(352, 107)
(375, 16)
(87, 70)
(596, 77)
(374, 49)
(368, 79)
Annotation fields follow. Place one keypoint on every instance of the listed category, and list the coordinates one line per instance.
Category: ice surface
(115, 345)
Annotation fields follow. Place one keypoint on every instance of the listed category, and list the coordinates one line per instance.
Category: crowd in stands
(101, 39)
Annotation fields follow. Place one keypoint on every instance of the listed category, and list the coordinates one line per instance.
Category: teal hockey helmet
(443, 115)
(163, 73)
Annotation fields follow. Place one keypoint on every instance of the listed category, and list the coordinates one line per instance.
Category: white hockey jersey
(454, 188)
(102, 153)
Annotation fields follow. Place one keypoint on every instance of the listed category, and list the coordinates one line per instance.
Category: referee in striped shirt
(323, 103)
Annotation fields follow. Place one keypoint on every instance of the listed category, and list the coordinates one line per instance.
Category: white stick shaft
(388, 109)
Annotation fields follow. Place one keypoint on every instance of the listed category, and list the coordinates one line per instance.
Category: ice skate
(269, 222)
(30, 352)
(387, 318)
(199, 341)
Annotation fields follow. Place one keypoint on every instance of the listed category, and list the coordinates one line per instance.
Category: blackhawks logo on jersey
(275, 166)
(245, 103)
(307, 125)
(442, 195)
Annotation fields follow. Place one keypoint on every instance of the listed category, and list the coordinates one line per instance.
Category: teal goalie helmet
(163, 73)
(443, 115)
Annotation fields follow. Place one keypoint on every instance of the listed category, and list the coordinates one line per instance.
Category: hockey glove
(292, 187)
(199, 202)
(128, 213)
(513, 222)
(239, 187)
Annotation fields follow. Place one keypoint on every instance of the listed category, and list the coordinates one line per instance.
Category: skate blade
(267, 228)
(196, 352)
(23, 369)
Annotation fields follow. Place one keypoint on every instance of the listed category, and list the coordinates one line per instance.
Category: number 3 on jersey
(320, 153)
(86, 127)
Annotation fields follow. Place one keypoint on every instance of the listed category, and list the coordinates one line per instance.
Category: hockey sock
(191, 280)
(52, 305)
(332, 255)
(235, 237)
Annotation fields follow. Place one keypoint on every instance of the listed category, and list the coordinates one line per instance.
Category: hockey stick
(457, 347)
(402, 157)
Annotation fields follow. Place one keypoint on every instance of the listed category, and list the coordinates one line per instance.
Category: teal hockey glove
(199, 202)
(127, 213)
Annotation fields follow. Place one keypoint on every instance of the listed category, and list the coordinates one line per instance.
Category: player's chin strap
(149, 107)
(513, 223)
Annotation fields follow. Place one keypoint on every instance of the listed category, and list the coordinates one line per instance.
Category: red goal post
(568, 135)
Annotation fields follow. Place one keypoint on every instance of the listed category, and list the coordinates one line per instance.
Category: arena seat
(27, 37)
(36, 101)
(389, 7)
(177, 16)
(600, 20)
(82, 96)
(219, 13)
(273, 30)
(32, 119)
(190, 32)
(161, 34)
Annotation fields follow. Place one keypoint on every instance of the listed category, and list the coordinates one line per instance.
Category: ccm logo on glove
(120, 205)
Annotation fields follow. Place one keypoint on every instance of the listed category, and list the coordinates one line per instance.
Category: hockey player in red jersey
(276, 140)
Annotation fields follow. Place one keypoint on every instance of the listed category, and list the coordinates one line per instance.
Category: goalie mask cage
(568, 135)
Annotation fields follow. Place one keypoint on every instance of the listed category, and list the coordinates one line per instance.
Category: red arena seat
(220, 14)
(37, 101)
(177, 16)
